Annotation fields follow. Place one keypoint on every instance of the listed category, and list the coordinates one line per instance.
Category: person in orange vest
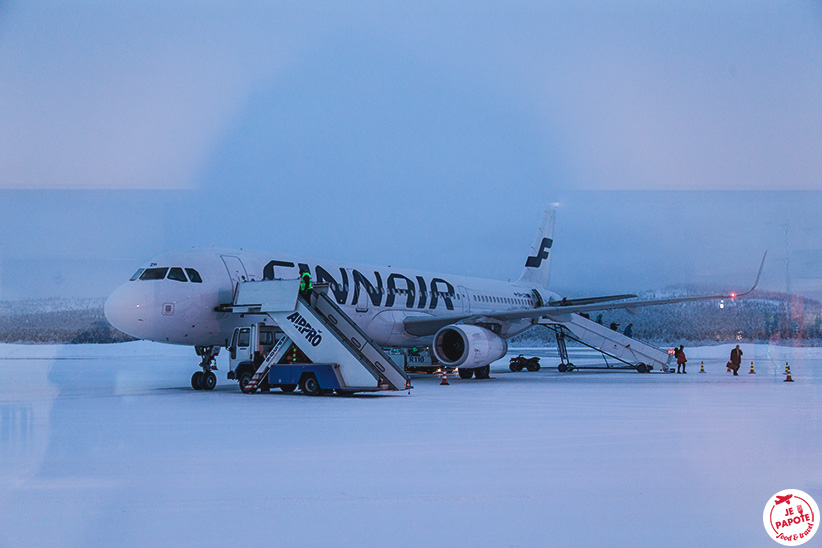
(679, 354)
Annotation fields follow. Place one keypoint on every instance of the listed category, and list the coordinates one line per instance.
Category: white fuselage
(177, 309)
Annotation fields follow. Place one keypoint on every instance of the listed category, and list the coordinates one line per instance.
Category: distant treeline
(65, 321)
(760, 318)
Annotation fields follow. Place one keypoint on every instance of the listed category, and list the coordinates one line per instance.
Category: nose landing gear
(206, 379)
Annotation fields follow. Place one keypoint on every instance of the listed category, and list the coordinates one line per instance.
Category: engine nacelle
(468, 346)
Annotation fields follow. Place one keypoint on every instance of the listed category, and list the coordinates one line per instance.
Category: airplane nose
(126, 310)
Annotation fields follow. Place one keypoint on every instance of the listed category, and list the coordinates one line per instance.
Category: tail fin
(537, 270)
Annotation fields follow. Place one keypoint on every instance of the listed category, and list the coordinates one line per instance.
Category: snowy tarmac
(107, 445)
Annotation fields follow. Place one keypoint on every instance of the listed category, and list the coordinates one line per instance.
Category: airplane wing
(556, 311)
(590, 300)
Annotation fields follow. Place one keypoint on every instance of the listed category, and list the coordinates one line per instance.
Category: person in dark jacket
(306, 286)
(629, 331)
(736, 360)
(679, 354)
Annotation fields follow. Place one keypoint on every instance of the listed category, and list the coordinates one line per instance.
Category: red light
(733, 295)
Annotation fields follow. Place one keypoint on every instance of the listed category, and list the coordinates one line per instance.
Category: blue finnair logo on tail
(541, 255)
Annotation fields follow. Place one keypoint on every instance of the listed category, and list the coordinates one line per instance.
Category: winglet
(756, 283)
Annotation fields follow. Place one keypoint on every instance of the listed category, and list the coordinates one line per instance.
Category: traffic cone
(788, 378)
(751, 372)
(444, 378)
(787, 368)
(701, 367)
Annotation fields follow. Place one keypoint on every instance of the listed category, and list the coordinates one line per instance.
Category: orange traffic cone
(752, 372)
(788, 378)
(701, 367)
(444, 378)
(787, 368)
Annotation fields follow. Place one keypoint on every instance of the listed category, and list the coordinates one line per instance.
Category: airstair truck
(340, 356)
(635, 354)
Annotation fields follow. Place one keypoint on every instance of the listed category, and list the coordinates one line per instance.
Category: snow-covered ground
(107, 445)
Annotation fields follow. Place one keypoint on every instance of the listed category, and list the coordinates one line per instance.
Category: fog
(677, 143)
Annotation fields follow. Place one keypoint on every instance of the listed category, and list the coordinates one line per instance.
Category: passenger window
(176, 274)
(136, 275)
(245, 338)
(154, 274)
(194, 276)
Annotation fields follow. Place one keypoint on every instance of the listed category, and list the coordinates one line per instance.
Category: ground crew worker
(629, 330)
(305, 285)
(679, 354)
(736, 360)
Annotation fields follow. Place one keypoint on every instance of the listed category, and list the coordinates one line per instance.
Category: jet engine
(468, 346)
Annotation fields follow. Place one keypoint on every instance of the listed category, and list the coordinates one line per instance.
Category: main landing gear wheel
(466, 373)
(562, 368)
(209, 380)
(482, 372)
(197, 380)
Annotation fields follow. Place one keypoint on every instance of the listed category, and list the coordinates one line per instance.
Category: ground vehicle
(520, 362)
(249, 346)
(315, 345)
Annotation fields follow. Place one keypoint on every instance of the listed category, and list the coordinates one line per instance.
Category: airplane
(184, 298)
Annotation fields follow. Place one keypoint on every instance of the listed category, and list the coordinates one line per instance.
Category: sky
(677, 142)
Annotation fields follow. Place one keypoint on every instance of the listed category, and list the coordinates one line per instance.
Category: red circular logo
(791, 517)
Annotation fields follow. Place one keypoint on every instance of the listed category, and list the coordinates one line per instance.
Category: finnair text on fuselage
(398, 288)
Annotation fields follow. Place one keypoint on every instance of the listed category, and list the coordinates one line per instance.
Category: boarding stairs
(631, 352)
(322, 331)
(277, 353)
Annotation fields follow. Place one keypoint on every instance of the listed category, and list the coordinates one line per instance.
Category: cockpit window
(176, 274)
(154, 274)
(136, 275)
(194, 276)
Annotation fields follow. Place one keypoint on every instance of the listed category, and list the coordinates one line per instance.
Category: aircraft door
(236, 269)
(465, 298)
(362, 296)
